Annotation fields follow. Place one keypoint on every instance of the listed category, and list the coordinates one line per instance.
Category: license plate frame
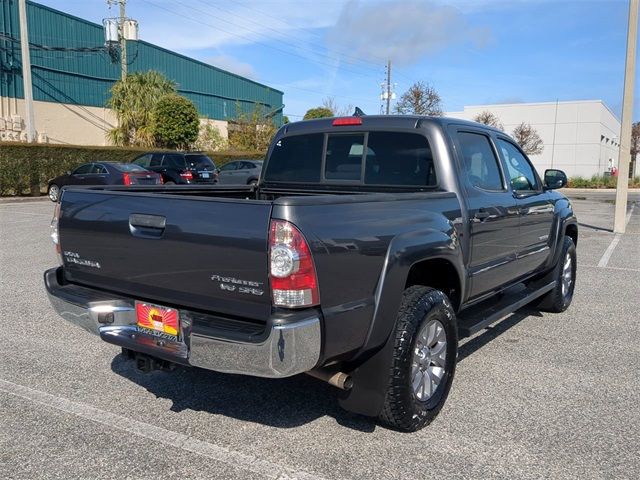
(158, 320)
(204, 174)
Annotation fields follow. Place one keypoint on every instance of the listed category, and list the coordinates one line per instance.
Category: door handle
(481, 216)
(147, 226)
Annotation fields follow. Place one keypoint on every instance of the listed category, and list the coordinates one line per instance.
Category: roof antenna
(358, 113)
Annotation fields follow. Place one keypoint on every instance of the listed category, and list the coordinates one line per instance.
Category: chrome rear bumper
(286, 347)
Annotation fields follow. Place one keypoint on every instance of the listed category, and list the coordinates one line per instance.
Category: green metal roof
(85, 78)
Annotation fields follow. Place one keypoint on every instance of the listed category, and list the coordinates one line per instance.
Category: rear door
(534, 205)
(492, 212)
(198, 253)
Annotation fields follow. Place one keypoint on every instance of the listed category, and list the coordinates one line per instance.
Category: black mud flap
(370, 381)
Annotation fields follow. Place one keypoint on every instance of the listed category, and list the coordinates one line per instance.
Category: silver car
(240, 172)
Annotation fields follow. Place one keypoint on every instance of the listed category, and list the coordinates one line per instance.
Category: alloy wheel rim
(567, 275)
(53, 193)
(428, 366)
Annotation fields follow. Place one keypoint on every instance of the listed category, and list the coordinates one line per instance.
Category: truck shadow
(282, 403)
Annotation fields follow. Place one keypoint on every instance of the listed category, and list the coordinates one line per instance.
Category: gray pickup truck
(369, 247)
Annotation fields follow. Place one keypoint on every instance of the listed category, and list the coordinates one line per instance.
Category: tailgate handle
(147, 226)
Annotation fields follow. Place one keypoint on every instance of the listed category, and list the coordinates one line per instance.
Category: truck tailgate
(200, 253)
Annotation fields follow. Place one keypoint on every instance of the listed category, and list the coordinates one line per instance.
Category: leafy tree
(420, 99)
(133, 101)
(210, 138)
(176, 122)
(251, 131)
(337, 110)
(318, 112)
(488, 118)
(528, 139)
(285, 120)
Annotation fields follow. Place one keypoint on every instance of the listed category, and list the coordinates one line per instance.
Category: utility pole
(123, 40)
(624, 153)
(26, 72)
(388, 86)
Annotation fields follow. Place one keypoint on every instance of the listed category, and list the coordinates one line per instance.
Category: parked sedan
(103, 173)
(240, 172)
(180, 167)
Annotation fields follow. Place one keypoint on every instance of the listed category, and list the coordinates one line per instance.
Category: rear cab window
(380, 158)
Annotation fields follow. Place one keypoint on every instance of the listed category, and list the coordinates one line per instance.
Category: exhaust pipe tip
(340, 380)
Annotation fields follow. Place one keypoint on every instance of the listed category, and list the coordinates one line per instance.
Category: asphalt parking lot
(538, 395)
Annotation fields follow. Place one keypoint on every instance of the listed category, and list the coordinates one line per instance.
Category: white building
(580, 137)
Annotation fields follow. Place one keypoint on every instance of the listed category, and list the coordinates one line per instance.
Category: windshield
(200, 162)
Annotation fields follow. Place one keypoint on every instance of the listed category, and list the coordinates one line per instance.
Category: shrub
(175, 122)
(26, 168)
(600, 181)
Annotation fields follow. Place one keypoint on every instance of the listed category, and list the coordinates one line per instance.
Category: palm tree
(133, 100)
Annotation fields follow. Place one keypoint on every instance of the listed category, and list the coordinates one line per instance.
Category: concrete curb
(6, 200)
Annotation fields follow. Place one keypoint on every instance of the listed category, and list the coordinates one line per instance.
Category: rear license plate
(204, 174)
(156, 320)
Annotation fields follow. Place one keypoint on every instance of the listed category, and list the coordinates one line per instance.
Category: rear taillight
(126, 178)
(160, 180)
(188, 175)
(55, 236)
(292, 274)
(346, 121)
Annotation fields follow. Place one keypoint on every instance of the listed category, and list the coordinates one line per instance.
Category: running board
(480, 316)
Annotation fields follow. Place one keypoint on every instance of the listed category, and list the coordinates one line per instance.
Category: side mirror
(68, 172)
(554, 179)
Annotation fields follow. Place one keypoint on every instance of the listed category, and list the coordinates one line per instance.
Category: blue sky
(471, 51)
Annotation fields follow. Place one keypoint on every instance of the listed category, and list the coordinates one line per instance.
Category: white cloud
(403, 31)
(233, 65)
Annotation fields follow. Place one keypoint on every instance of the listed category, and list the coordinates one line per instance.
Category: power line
(288, 37)
(252, 40)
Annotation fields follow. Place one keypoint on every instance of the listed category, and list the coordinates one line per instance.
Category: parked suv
(180, 167)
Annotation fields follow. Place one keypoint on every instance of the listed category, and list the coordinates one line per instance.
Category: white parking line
(158, 434)
(606, 256)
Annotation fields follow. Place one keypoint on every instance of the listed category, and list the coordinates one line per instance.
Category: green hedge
(599, 181)
(26, 168)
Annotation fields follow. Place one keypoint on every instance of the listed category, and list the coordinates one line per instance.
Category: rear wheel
(54, 193)
(424, 359)
(564, 273)
(253, 183)
(169, 183)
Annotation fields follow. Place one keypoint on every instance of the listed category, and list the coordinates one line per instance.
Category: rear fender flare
(370, 370)
(405, 251)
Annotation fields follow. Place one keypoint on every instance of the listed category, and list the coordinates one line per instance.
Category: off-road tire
(555, 301)
(402, 409)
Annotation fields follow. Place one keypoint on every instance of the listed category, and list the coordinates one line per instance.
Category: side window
(229, 167)
(480, 162)
(156, 160)
(83, 169)
(143, 161)
(399, 158)
(174, 161)
(98, 169)
(344, 157)
(521, 173)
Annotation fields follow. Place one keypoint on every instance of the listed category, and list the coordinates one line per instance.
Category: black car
(103, 173)
(180, 167)
(240, 172)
